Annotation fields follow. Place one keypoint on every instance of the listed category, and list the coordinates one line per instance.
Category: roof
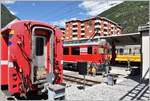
(124, 39)
(77, 20)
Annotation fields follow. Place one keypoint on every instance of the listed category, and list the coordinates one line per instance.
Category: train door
(42, 51)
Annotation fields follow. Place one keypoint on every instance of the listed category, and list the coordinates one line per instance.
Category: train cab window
(66, 51)
(89, 50)
(75, 51)
(101, 51)
(39, 46)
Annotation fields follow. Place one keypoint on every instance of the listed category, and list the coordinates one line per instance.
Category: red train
(30, 50)
(94, 52)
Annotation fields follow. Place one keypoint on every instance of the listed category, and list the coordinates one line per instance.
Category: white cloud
(96, 7)
(8, 1)
(61, 22)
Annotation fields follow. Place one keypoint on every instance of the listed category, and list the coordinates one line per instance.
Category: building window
(74, 30)
(75, 51)
(82, 36)
(74, 26)
(82, 31)
(105, 25)
(105, 30)
(82, 26)
(66, 51)
(97, 23)
(89, 50)
(74, 35)
(97, 29)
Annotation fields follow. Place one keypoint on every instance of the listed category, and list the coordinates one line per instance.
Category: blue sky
(58, 12)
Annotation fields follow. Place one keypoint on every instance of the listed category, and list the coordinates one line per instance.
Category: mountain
(6, 16)
(129, 14)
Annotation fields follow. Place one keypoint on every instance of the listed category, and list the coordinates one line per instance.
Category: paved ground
(127, 88)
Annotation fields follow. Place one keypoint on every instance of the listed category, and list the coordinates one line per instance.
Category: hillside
(6, 16)
(129, 14)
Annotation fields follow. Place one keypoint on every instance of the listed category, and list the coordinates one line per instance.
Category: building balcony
(74, 33)
(82, 28)
(82, 33)
(75, 23)
(112, 25)
(105, 22)
(74, 28)
(97, 26)
(74, 38)
(105, 32)
(98, 21)
(82, 24)
(105, 27)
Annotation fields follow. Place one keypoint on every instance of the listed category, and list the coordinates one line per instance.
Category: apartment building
(84, 29)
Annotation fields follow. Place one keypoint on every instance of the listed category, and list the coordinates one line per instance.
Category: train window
(89, 50)
(110, 51)
(39, 46)
(66, 51)
(121, 51)
(136, 51)
(101, 51)
(130, 51)
(106, 51)
(75, 51)
(126, 51)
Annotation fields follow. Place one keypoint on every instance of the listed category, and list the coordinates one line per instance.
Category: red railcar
(94, 52)
(30, 50)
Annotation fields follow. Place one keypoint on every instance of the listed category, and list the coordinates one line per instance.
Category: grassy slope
(129, 14)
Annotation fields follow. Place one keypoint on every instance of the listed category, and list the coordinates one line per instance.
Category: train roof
(34, 22)
(83, 42)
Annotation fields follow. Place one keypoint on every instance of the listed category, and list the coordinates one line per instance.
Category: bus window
(66, 51)
(101, 51)
(75, 51)
(89, 50)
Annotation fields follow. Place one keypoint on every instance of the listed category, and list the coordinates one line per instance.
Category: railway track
(80, 80)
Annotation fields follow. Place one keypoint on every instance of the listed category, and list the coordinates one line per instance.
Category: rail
(80, 80)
